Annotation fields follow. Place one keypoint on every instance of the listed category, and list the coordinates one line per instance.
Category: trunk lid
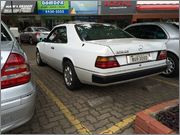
(130, 45)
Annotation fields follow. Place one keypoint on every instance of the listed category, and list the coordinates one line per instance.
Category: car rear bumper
(111, 78)
(15, 114)
(126, 76)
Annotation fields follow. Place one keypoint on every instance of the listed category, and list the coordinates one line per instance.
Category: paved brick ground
(128, 99)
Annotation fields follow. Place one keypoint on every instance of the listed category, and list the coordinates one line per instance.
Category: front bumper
(15, 114)
(126, 76)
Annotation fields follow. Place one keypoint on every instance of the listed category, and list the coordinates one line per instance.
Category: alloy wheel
(170, 66)
(68, 76)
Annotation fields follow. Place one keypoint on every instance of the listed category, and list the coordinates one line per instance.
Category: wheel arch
(67, 59)
(170, 52)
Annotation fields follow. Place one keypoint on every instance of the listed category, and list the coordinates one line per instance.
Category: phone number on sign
(54, 11)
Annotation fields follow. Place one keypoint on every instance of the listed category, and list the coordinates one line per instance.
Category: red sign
(126, 3)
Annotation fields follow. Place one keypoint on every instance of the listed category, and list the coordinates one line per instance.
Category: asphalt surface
(90, 109)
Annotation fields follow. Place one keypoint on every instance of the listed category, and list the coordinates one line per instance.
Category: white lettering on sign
(52, 2)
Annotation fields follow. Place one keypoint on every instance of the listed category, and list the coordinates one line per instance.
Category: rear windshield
(5, 35)
(100, 31)
(41, 29)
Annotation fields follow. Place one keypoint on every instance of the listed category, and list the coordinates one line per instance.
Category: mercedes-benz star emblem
(140, 48)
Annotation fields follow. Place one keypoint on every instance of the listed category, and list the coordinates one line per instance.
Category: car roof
(77, 23)
(149, 23)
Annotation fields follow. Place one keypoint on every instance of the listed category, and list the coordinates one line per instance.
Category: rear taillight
(106, 62)
(15, 71)
(162, 55)
(37, 34)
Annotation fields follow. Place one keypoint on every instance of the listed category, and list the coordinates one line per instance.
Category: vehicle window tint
(147, 32)
(29, 30)
(59, 35)
(134, 30)
(100, 31)
(4, 34)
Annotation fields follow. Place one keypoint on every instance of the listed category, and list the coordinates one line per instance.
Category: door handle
(52, 47)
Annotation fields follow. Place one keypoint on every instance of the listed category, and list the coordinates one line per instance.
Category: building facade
(119, 12)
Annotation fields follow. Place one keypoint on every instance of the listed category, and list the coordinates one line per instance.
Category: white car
(167, 33)
(99, 54)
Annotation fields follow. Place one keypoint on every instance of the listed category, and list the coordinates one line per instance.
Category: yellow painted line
(74, 121)
(166, 82)
(119, 126)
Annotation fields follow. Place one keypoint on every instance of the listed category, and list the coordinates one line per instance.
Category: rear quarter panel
(173, 46)
(82, 54)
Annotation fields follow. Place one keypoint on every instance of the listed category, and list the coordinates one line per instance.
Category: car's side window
(147, 32)
(152, 32)
(134, 30)
(29, 30)
(25, 30)
(4, 34)
(58, 35)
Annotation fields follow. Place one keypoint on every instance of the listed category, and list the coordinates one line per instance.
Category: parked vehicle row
(86, 53)
(33, 35)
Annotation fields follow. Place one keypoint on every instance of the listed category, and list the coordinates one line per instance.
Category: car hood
(130, 45)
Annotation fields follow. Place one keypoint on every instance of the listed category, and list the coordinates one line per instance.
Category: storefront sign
(53, 7)
(118, 7)
(84, 7)
(19, 7)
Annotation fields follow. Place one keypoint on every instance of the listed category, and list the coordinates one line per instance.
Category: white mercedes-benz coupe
(99, 54)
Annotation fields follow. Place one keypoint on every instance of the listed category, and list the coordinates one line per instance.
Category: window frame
(47, 39)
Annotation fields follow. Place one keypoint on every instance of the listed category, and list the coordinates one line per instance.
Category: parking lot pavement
(91, 109)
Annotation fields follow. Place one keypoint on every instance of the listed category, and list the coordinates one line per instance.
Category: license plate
(138, 58)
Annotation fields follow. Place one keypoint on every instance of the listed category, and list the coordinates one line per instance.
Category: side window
(58, 35)
(29, 30)
(152, 32)
(25, 30)
(134, 30)
(4, 34)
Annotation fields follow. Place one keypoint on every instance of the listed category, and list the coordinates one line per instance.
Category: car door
(56, 47)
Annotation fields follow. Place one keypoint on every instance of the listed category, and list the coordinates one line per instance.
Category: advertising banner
(19, 7)
(84, 7)
(118, 7)
(53, 7)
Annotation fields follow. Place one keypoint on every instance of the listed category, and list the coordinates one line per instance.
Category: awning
(157, 7)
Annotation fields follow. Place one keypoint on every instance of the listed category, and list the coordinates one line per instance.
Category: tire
(173, 66)
(38, 59)
(31, 41)
(70, 78)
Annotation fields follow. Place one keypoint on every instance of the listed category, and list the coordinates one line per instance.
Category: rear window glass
(100, 31)
(4, 34)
